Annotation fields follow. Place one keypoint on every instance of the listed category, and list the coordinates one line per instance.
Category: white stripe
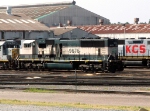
(4, 21)
(17, 21)
(11, 21)
(31, 21)
(24, 21)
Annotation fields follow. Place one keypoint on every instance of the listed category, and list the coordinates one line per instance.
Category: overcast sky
(115, 10)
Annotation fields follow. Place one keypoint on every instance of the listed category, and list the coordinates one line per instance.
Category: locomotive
(134, 52)
(55, 53)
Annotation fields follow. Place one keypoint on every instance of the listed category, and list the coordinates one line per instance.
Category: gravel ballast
(4, 107)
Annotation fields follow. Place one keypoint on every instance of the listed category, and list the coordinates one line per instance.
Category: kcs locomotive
(134, 52)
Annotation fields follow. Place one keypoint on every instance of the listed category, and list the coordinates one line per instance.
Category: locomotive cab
(9, 52)
(28, 48)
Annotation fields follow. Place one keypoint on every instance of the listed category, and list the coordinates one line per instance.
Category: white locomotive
(54, 53)
(134, 52)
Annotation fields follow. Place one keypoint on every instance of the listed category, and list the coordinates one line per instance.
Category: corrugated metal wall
(76, 14)
(126, 35)
(76, 33)
(0, 35)
(12, 35)
(28, 35)
(37, 35)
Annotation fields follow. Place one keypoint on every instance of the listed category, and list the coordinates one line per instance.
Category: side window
(0, 48)
(27, 45)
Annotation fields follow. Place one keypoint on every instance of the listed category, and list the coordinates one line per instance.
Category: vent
(8, 11)
(142, 38)
(136, 20)
(101, 21)
(69, 22)
(136, 42)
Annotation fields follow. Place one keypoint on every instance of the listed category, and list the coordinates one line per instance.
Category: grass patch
(145, 89)
(35, 90)
(72, 105)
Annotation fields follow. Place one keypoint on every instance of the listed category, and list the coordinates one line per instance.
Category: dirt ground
(96, 99)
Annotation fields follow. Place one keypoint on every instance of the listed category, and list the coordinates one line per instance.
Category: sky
(115, 10)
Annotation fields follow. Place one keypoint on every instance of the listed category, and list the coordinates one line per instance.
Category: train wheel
(5, 66)
(38, 68)
(148, 64)
(82, 68)
(120, 68)
(85, 70)
(93, 68)
(112, 69)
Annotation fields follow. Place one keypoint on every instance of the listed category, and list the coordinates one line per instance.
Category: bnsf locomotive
(40, 54)
(134, 52)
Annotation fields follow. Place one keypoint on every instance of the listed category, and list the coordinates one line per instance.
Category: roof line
(45, 15)
(40, 5)
(48, 14)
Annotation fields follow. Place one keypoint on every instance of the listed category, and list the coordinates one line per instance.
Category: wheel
(112, 69)
(93, 69)
(82, 68)
(148, 64)
(120, 68)
(85, 70)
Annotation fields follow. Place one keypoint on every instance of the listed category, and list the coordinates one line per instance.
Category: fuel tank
(65, 66)
(133, 63)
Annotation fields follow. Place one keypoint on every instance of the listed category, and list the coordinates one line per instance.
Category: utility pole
(124, 29)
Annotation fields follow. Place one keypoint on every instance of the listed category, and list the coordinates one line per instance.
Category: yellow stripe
(3, 60)
(134, 57)
(100, 61)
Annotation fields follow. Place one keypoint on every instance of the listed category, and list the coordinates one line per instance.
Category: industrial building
(71, 33)
(20, 26)
(121, 31)
(53, 14)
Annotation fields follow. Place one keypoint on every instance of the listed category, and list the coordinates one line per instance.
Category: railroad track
(71, 79)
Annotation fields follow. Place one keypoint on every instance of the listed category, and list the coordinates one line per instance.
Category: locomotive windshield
(11, 45)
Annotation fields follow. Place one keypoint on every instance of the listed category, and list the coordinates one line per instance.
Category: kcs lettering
(136, 48)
